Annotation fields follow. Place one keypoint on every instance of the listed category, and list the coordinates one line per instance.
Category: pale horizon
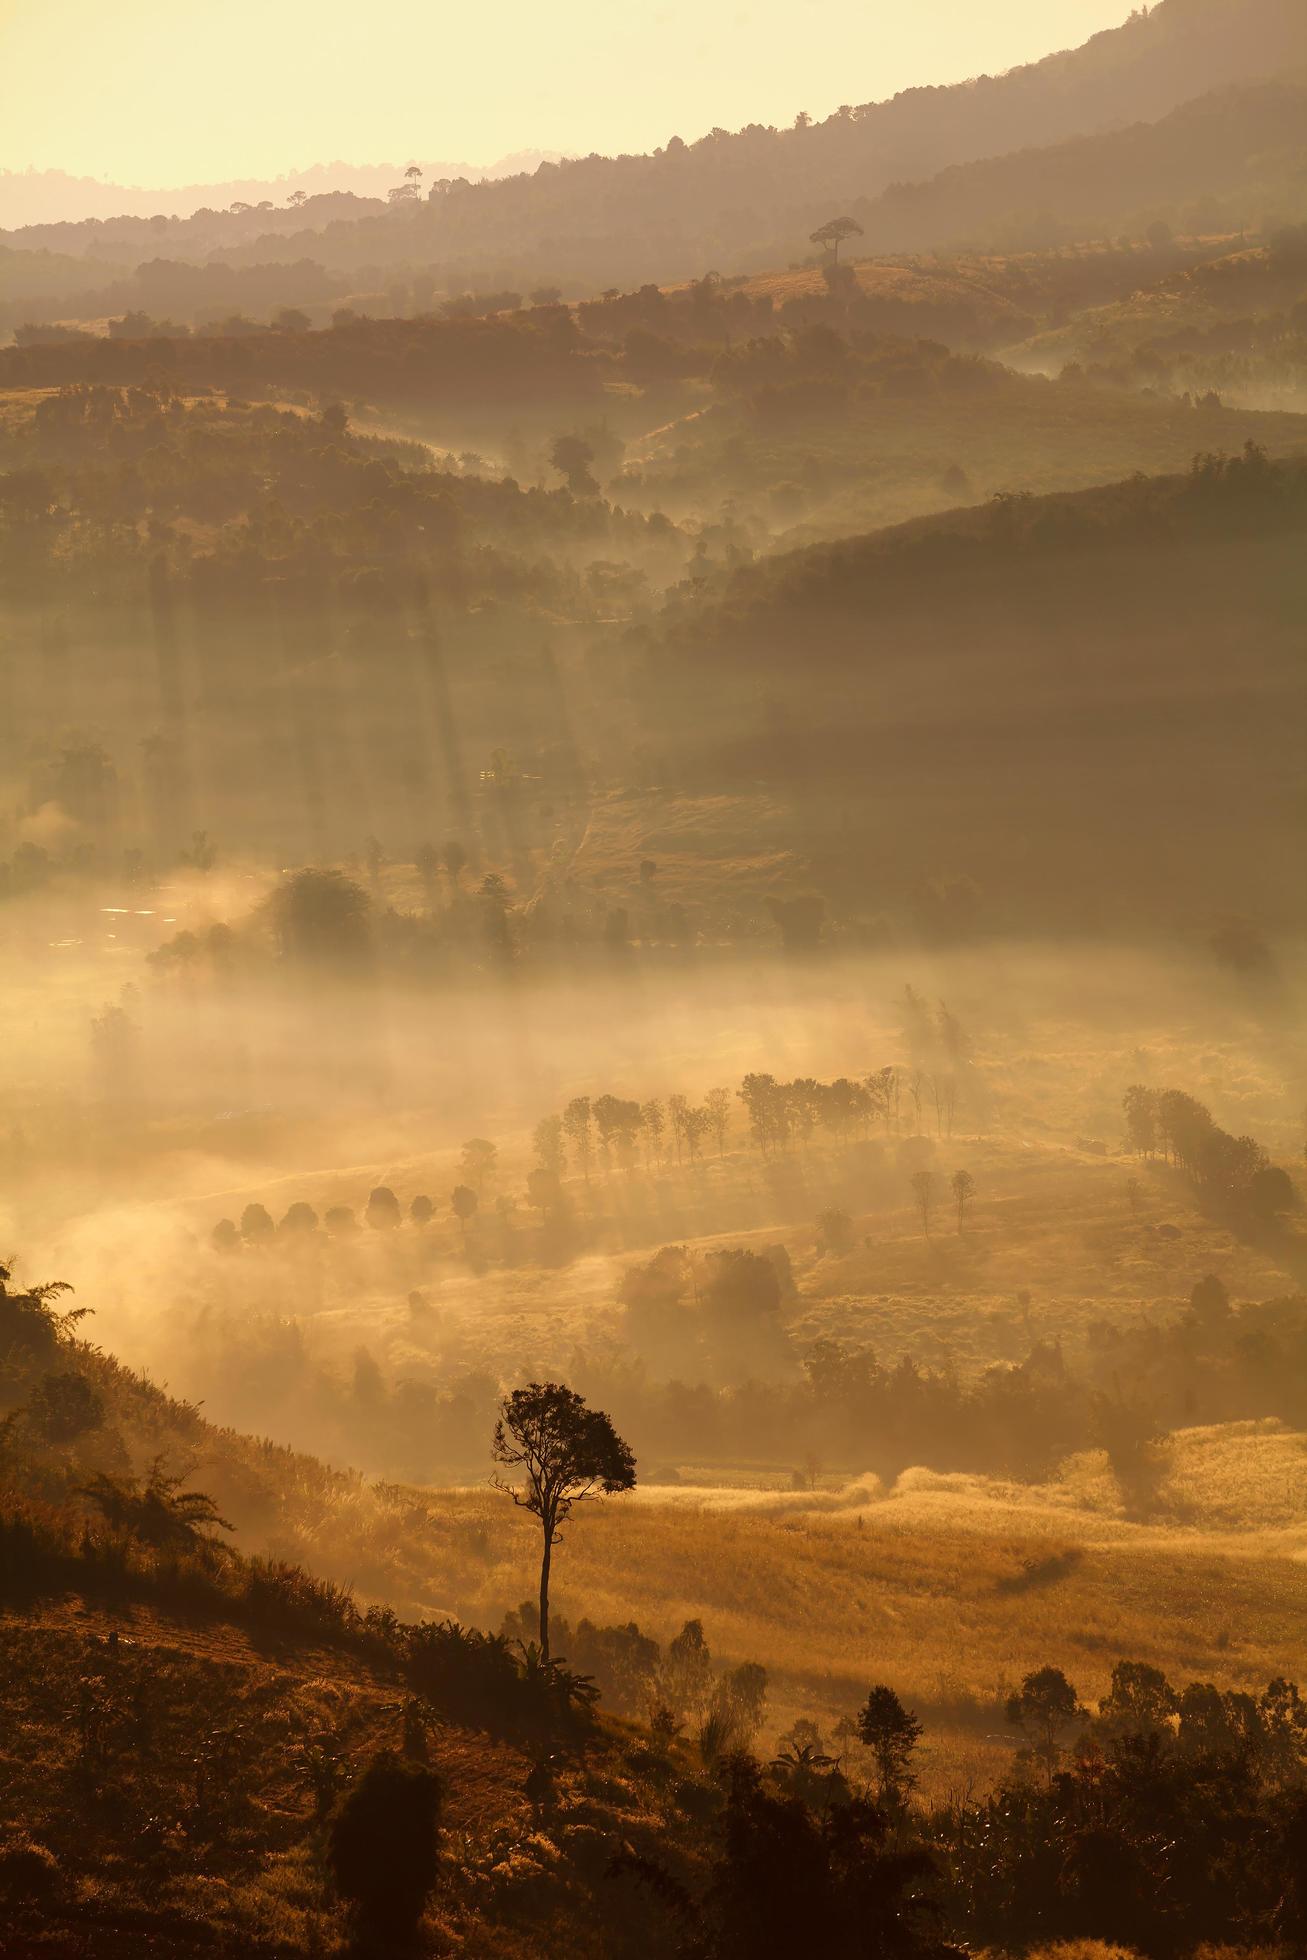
(273, 91)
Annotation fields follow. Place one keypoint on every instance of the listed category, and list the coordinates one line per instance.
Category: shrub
(29, 1874)
(280, 1594)
(383, 1846)
(485, 1679)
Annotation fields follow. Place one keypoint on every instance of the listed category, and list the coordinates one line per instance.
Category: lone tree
(463, 1202)
(320, 916)
(891, 1732)
(383, 1848)
(568, 1452)
(963, 1186)
(572, 456)
(383, 1213)
(834, 233)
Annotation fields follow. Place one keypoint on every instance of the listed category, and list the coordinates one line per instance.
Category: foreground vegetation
(209, 1739)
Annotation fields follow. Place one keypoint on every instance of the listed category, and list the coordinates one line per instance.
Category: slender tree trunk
(544, 1592)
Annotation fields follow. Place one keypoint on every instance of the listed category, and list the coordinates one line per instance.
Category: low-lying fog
(145, 1104)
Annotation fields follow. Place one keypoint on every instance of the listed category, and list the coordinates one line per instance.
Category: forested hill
(1228, 157)
(735, 196)
(729, 199)
(933, 561)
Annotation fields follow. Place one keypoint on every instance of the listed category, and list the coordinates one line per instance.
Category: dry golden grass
(948, 1587)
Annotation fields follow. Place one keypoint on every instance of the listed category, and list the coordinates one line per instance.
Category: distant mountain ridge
(748, 201)
(51, 197)
(733, 201)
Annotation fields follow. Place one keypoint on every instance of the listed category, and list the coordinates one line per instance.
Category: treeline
(780, 1116)
(804, 353)
(704, 1370)
(1231, 1174)
(537, 355)
(711, 1376)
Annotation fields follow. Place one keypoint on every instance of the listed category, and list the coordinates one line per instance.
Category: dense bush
(383, 1847)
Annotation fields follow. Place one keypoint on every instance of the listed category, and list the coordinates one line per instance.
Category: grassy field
(949, 1588)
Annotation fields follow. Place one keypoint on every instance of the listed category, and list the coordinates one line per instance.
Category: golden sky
(161, 92)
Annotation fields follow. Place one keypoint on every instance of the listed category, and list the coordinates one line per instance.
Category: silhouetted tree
(835, 1233)
(1047, 1710)
(738, 1700)
(653, 1122)
(963, 1185)
(383, 1213)
(543, 1189)
(547, 1140)
(257, 1227)
(463, 1204)
(717, 1104)
(301, 1221)
(224, 1237)
(568, 1454)
(787, 1880)
(833, 234)
(572, 456)
(891, 1733)
(923, 1190)
(477, 1162)
(684, 1677)
(577, 1129)
(320, 915)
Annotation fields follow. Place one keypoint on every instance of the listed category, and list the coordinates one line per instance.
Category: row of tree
(1229, 1173)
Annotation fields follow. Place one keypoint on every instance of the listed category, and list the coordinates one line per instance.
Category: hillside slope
(1230, 156)
(749, 198)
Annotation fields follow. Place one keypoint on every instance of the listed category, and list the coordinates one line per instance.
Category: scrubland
(728, 841)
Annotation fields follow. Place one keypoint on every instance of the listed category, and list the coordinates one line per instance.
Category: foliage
(383, 1846)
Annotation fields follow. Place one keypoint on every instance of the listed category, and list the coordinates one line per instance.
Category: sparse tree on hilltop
(383, 1213)
(548, 1142)
(478, 1162)
(717, 1103)
(653, 1123)
(833, 234)
(463, 1204)
(578, 1131)
(257, 1227)
(572, 456)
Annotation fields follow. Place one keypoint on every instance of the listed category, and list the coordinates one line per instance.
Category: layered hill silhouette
(738, 196)
(1231, 156)
(737, 200)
